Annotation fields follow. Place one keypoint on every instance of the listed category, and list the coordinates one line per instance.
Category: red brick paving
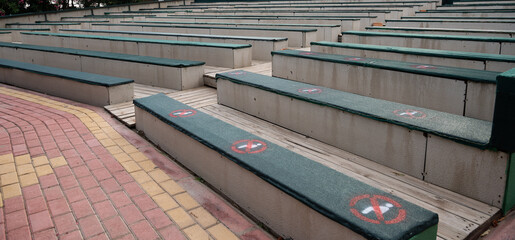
(91, 197)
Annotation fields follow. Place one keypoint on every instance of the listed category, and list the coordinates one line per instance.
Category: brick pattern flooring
(67, 173)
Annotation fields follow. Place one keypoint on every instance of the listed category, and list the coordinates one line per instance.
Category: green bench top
(207, 27)
(341, 6)
(83, 77)
(5, 32)
(24, 29)
(461, 18)
(74, 21)
(40, 24)
(325, 190)
(462, 129)
(323, 3)
(450, 20)
(421, 51)
(422, 29)
(242, 24)
(273, 39)
(145, 40)
(453, 73)
(468, 11)
(299, 11)
(429, 36)
(340, 18)
(108, 55)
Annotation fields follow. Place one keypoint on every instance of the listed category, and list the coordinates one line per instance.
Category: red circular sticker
(355, 59)
(308, 53)
(248, 146)
(423, 66)
(374, 210)
(181, 113)
(310, 90)
(410, 113)
(237, 73)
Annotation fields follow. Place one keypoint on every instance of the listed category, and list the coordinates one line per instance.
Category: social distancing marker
(423, 66)
(376, 208)
(248, 146)
(410, 113)
(181, 113)
(355, 59)
(310, 90)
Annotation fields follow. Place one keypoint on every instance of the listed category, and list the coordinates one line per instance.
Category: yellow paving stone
(138, 157)
(107, 142)
(1, 201)
(12, 190)
(203, 217)
(127, 147)
(186, 201)
(9, 178)
(130, 166)
(41, 160)
(141, 176)
(23, 159)
(6, 158)
(159, 176)
(181, 217)
(7, 168)
(152, 188)
(196, 232)
(122, 157)
(44, 170)
(171, 187)
(58, 161)
(25, 168)
(28, 179)
(147, 165)
(220, 232)
(101, 135)
(165, 201)
(114, 150)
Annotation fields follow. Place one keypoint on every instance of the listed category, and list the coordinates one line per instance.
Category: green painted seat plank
(323, 189)
(453, 73)
(206, 27)
(415, 29)
(430, 36)
(83, 77)
(40, 24)
(272, 39)
(465, 130)
(5, 32)
(24, 29)
(353, 18)
(242, 24)
(145, 40)
(422, 51)
(449, 20)
(108, 55)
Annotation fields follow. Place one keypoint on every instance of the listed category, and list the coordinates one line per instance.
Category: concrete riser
(276, 209)
(222, 57)
(69, 89)
(441, 94)
(441, 44)
(436, 160)
(154, 75)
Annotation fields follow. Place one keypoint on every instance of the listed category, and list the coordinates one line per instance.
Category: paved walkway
(69, 171)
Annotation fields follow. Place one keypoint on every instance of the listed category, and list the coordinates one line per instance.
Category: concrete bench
(346, 23)
(459, 91)
(469, 13)
(54, 27)
(472, 60)
(473, 24)
(478, 6)
(325, 32)
(295, 196)
(451, 151)
(110, 18)
(214, 54)
(5, 36)
(505, 46)
(160, 72)
(93, 89)
(84, 24)
(15, 32)
(296, 37)
(261, 46)
(443, 31)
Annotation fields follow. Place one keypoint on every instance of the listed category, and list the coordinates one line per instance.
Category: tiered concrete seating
(261, 46)
(94, 89)
(450, 31)
(444, 89)
(475, 24)
(441, 42)
(466, 155)
(15, 33)
(160, 72)
(295, 195)
(467, 13)
(214, 54)
(471, 60)
(296, 37)
(5, 36)
(54, 27)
